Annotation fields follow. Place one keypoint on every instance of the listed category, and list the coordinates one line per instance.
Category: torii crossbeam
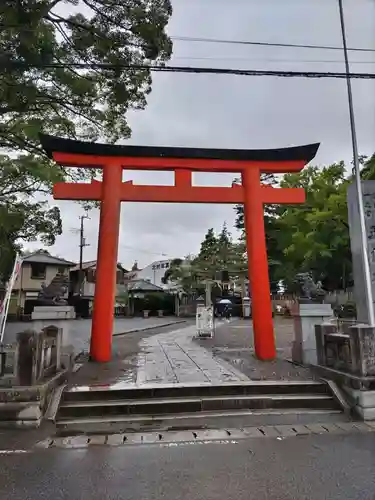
(183, 161)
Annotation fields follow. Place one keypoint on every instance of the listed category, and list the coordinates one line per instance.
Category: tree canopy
(218, 253)
(312, 237)
(41, 90)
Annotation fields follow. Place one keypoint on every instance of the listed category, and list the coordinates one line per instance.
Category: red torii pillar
(264, 338)
(112, 191)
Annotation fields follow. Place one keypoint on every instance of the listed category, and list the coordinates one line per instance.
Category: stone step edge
(192, 415)
(87, 389)
(173, 438)
(182, 400)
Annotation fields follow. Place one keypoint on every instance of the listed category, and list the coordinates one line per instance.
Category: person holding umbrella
(227, 310)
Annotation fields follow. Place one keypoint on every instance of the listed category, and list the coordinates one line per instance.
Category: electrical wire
(127, 247)
(4, 26)
(266, 44)
(189, 69)
(255, 59)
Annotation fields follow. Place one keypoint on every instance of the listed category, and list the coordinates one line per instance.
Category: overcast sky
(237, 111)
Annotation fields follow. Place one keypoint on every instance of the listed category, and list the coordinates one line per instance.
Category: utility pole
(366, 263)
(82, 244)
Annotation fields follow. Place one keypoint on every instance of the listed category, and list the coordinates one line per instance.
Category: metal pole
(366, 263)
(81, 243)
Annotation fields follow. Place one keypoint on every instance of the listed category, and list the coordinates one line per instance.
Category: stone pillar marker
(306, 316)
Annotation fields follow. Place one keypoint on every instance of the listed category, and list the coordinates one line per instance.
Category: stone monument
(51, 302)
(368, 191)
(310, 310)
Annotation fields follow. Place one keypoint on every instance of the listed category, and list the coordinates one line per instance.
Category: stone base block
(306, 316)
(363, 402)
(366, 414)
(53, 312)
(26, 406)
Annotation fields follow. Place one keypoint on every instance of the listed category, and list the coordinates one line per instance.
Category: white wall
(153, 273)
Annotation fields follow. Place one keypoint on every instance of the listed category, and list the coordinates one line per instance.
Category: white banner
(4, 305)
(205, 321)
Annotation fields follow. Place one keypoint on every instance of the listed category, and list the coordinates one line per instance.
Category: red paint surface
(264, 339)
(194, 165)
(112, 191)
(105, 287)
(183, 192)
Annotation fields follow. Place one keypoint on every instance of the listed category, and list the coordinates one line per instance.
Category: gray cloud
(240, 112)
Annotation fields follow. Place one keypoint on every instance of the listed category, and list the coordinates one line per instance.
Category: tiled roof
(143, 285)
(92, 263)
(45, 258)
(85, 265)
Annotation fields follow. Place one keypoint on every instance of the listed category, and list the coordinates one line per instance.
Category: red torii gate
(183, 161)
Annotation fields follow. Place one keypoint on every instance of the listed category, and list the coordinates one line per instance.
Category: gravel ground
(234, 344)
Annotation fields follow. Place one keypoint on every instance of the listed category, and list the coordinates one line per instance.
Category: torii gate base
(183, 161)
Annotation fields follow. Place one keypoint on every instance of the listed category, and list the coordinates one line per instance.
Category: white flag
(4, 305)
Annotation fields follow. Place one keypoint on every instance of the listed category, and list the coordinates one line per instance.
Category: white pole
(366, 263)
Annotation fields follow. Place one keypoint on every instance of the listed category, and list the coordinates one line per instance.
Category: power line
(4, 26)
(255, 59)
(190, 69)
(266, 44)
(144, 251)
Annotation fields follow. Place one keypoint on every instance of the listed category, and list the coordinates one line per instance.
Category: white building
(153, 273)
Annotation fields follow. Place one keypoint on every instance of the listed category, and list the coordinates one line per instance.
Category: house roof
(45, 258)
(92, 263)
(143, 285)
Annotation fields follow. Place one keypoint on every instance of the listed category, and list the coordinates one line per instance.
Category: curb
(150, 328)
(205, 436)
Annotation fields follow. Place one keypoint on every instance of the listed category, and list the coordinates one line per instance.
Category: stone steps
(129, 391)
(92, 409)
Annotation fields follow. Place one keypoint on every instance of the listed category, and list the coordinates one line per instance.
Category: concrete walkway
(173, 357)
(170, 356)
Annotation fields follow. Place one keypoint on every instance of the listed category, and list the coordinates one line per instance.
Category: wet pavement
(313, 467)
(175, 356)
(77, 332)
(234, 344)
(166, 358)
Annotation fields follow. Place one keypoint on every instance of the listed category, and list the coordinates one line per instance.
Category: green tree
(315, 237)
(272, 231)
(312, 237)
(41, 90)
(185, 275)
(368, 170)
(208, 253)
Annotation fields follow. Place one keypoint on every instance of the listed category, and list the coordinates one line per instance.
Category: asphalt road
(77, 332)
(335, 467)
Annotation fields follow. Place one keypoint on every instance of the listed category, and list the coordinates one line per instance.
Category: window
(38, 271)
(166, 265)
(90, 276)
(158, 266)
(119, 277)
(62, 270)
